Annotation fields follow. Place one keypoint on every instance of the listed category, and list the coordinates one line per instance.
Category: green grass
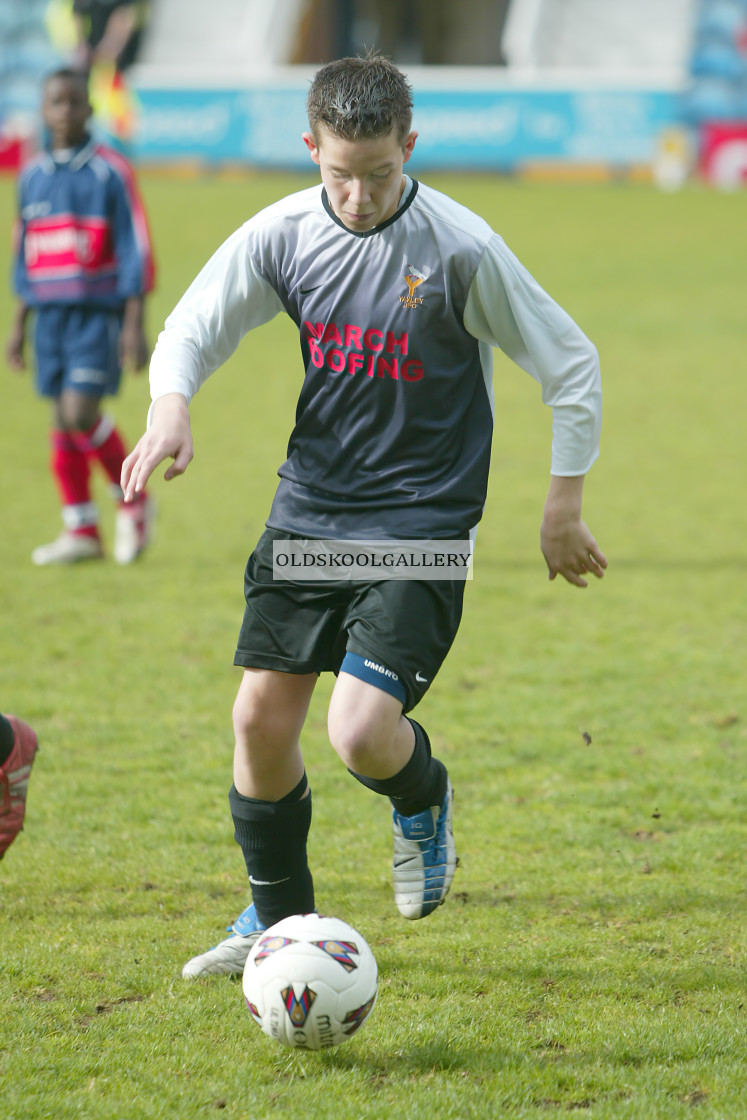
(591, 957)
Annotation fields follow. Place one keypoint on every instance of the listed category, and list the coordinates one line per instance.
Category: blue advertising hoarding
(499, 129)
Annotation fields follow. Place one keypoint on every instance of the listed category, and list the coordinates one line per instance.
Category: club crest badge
(413, 279)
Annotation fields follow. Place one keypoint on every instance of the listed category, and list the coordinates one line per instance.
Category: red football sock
(103, 443)
(71, 472)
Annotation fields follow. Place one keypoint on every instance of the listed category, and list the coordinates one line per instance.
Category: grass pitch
(591, 955)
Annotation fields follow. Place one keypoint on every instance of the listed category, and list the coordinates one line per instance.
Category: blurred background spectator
(421, 32)
(108, 32)
(103, 36)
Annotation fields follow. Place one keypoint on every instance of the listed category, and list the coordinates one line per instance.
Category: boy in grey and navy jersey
(83, 267)
(395, 417)
(399, 295)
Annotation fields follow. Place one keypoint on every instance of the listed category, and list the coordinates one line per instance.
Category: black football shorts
(401, 629)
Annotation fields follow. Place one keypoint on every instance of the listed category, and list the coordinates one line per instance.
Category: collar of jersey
(410, 195)
(83, 153)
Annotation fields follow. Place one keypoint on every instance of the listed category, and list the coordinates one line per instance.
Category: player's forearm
(172, 404)
(134, 312)
(175, 366)
(21, 312)
(564, 497)
(120, 26)
(169, 408)
(15, 342)
(576, 429)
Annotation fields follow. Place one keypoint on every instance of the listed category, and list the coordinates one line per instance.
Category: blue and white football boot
(228, 957)
(425, 858)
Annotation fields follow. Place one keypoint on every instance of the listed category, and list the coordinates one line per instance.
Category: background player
(84, 266)
(399, 293)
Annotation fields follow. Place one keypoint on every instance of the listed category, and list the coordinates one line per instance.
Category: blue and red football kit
(83, 250)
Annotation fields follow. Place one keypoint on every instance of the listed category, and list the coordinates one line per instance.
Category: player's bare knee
(261, 729)
(357, 744)
(252, 723)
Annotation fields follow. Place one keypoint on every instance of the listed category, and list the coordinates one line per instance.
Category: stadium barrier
(467, 119)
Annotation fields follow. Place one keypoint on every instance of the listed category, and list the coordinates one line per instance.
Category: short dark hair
(360, 98)
(67, 74)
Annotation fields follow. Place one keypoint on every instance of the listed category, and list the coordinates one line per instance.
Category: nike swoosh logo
(267, 882)
(421, 680)
(306, 291)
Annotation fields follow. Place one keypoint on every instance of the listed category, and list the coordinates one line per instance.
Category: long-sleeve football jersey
(82, 235)
(394, 420)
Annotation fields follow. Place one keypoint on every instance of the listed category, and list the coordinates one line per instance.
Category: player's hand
(571, 552)
(168, 437)
(14, 348)
(568, 546)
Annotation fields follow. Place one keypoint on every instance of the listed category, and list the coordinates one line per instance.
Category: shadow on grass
(432, 1056)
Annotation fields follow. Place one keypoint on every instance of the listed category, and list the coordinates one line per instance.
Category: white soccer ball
(310, 981)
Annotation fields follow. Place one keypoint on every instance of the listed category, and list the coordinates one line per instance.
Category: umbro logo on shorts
(380, 669)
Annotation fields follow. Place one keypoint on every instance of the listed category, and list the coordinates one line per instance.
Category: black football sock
(7, 739)
(419, 784)
(272, 837)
